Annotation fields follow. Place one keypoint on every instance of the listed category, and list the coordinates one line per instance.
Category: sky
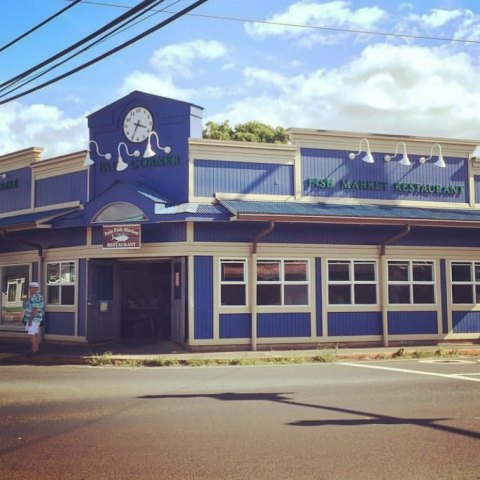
(400, 68)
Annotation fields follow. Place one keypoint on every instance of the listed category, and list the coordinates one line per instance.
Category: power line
(110, 52)
(313, 27)
(41, 24)
(141, 6)
(122, 27)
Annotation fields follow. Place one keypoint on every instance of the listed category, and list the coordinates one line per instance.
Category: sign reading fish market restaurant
(121, 236)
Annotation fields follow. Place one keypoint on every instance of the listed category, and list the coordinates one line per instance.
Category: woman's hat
(33, 284)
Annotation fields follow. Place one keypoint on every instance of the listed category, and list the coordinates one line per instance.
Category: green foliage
(245, 132)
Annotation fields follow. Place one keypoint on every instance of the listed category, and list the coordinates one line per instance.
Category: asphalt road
(373, 420)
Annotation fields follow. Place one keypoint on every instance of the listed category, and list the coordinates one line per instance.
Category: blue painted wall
(283, 325)
(60, 323)
(174, 121)
(203, 297)
(466, 322)
(61, 189)
(82, 297)
(318, 295)
(412, 323)
(354, 323)
(212, 177)
(334, 165)
(235, 325)
(17, 197)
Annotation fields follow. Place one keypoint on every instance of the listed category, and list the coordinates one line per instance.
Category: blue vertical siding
(82, 297)
(61, 189)
(477, 188)
(443, 281)
(412, 323)
(235, 325)
(203, 310)
(60, 323)
(318, 296)
(342, 324)
(335, 166)
(284, 325)
(18, 198)
(212, 176)
(466, 322)
(35, 274)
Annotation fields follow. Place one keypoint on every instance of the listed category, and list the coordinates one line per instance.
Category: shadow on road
(367, 418)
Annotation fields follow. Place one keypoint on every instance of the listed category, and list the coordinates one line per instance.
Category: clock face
(138, 124)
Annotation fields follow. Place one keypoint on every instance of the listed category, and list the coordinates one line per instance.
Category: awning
(357, 214)
(33, 220)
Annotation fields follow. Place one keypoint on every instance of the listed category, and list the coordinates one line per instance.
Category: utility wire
(98, 32)
(28, 32)
(313, 27)
(108, 35)
(110, 52)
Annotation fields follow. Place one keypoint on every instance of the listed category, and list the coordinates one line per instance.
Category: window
(14, 282)
(282, 282)
(465, 282)
(411, 282)
(61, 283)
(233, 286)
(119, 212)
(352, 282)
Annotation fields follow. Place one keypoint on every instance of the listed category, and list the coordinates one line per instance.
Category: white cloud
(387, 89)
(336, 14)
(437, 17)
(38, 125)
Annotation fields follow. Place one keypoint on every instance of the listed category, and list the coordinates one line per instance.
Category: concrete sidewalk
(144, 352)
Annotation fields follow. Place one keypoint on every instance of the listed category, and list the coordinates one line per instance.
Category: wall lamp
(440, 161)
(404, 160)
(368, 158)
(3, 176)
(476, 153)
(88, 159)
(121, 165)
(149, 152)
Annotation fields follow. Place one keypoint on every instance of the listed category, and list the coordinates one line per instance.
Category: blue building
(337, 237)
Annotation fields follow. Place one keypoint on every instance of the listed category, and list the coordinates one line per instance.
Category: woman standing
(33, 315)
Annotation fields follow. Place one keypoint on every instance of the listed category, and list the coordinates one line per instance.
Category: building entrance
(146, 299)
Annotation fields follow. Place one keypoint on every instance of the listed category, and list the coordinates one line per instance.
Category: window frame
(61, 283)
(472, 283)
(351, 282)
(284, 283)
(411, 283)
(221, 282)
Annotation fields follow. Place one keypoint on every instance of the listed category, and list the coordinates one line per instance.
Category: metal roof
(32, 220)
(348, 213)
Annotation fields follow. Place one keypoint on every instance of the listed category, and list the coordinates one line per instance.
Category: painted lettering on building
(121, 236)
(313, 183)
(9, 185)
(151, 162)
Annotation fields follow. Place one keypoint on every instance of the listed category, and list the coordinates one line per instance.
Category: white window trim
(245, 281)
(61, 283)
(472, 283)
(352, 282)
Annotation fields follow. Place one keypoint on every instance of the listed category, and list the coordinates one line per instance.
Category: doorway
(146, 293)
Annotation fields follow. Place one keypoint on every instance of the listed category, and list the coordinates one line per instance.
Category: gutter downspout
(382, 274)
(253, 280)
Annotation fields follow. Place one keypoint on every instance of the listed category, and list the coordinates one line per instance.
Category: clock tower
(147, 139)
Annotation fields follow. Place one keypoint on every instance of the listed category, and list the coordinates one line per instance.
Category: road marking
(417, 372)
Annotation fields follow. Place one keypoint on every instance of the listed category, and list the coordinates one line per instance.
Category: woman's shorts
(32, 329)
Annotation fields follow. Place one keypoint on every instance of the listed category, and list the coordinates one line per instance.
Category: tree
(245, 132)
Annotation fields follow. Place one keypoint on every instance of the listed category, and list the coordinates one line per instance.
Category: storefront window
(61, 281)
(233, 283)
(465, 282)
(15, 280)
(411, 282)
(352, 282)
(282, 282)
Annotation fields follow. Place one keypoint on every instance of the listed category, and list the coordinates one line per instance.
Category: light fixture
(404, 160)
(88, 159)
(121, 165)
(476, 153)
(3, 176)
(149, 152)
(368, 158)
(440, 161)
